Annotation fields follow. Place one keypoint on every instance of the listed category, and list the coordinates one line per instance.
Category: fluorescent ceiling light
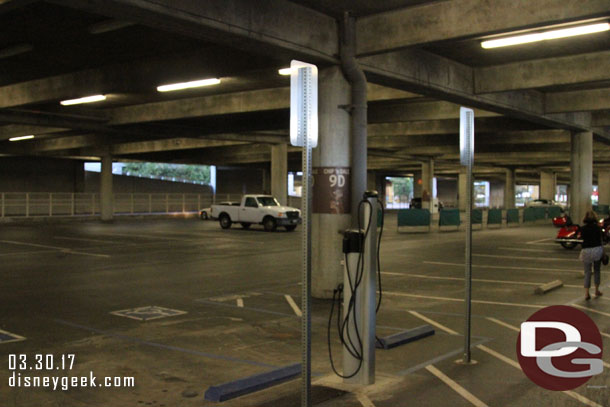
(31, 136)
(187, 85)
(546, 35)
(285, 71)
(86, 99)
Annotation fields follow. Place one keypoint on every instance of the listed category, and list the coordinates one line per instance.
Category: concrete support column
(371, 181)
(509, 189)
(581, 166)
(462, 189)
(603, 187)
(548, 185)
(266, 181)
(333, 151)
(427, 178)
(279, 172)
(106, 196)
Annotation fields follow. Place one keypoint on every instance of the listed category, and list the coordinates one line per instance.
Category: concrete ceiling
(422, 58)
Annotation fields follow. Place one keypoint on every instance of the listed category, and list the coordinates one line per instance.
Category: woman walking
(592, 252)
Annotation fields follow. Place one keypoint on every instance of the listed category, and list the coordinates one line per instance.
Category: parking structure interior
(121, 271)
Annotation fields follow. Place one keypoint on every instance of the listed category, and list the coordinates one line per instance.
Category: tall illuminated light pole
(304, 133)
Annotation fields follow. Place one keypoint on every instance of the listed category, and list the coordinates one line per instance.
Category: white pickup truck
(257, 209)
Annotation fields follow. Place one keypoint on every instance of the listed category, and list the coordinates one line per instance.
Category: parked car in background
(543, 203)
(206, 213)
(257, 209)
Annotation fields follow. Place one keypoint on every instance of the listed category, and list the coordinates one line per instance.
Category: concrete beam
(446, 20)
(447, 126)
(401, 111)
(266, 25)
(568, 70)
(239, 102)
(578, 100)
(431, 75)
(501, 138)
(601, 118)
(174, 144)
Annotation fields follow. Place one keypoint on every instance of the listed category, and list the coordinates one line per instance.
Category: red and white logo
(560, 348)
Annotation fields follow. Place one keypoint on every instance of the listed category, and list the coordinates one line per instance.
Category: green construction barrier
(553, 211)
(494, 217)
(512, 216)
(477, 217)
(449, 217)
(529, 215)
(539, 213)
(413, 217)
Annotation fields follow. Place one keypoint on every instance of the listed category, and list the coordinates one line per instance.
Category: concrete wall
(239, 181)
(128, 184)
(30, 174)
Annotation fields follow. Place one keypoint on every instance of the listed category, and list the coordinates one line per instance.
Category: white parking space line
(555, 270)
(516, 365)
(591, 309)
(364, 400)
(516, 329)
(511, 362)
(481, 280)
(533, 250)
(27, 253)
(540, 240)
(456, 387)
(434, 323)
(293, 305)
(83, 239)
(240, 302)
(430, 297)
(61, 249)
(495, 256)
(504, 324)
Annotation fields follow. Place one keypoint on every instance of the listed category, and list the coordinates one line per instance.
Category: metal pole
(468, 268)
(27, 204)
(306, 279)
(50, 204)
(466, 159)
(72, 204)
(3, 204)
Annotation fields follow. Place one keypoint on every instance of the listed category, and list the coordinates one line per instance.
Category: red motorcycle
(569, 235)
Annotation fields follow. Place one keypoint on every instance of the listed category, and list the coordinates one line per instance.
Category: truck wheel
(204, 215)
(290, 228)
(270, 224)
(245, 225)
(225, 221)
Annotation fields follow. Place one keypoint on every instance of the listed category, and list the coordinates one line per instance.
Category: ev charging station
(359, 295)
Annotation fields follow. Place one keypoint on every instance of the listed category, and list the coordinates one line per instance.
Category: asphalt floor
(231, 299)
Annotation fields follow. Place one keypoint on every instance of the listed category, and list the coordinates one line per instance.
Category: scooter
(569, 235)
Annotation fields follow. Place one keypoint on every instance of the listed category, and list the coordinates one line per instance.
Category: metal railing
(42, 204)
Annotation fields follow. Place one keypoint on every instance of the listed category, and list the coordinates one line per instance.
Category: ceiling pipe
(358, 109)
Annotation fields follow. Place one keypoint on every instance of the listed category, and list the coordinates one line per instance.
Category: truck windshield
(268, 201)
